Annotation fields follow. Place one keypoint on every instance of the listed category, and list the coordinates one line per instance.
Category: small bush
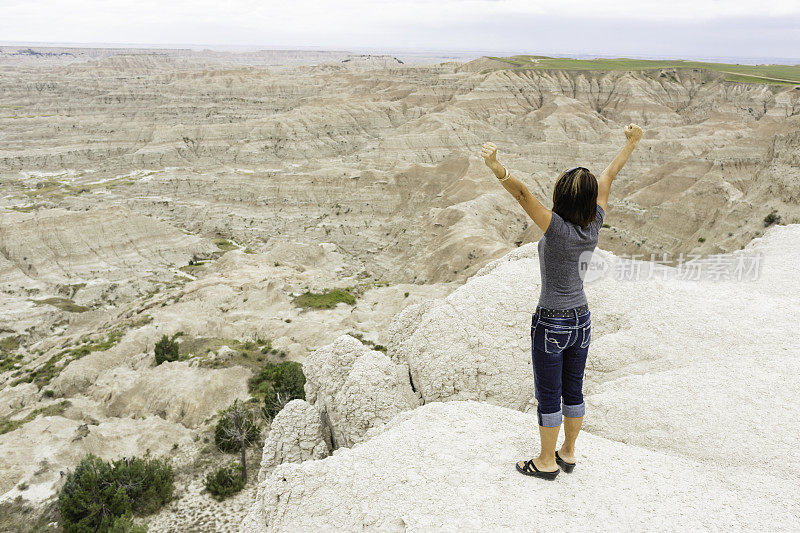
(274, 401)
(701, 239)
(278, 384)
(287, 376)
(9, 343)
(148, 482)
(9, 362)
(101, 496)
(772, 218)
(124, 524)
(224, 244)
(232, 429)
(225, 482)
(166, 349)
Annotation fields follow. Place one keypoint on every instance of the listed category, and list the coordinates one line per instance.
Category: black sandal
(530, 470)
(563, 464)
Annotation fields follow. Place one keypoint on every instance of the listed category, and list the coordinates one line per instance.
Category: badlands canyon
(145, 193)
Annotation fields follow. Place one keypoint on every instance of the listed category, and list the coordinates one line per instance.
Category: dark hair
(575, 196)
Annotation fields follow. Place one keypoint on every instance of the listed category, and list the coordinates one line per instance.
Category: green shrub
(124, 524)
(701, 239)
(325, 300)
(772, 218)
(9, 362)
(101, 496)
(166, 349)
(9, 343)
(148, 482)
(274, 401)
(225, 482)
(278, 384)
(287, 377)
(266, 346)
(236, 424)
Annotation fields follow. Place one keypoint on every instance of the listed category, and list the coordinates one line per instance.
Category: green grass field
(772, 74)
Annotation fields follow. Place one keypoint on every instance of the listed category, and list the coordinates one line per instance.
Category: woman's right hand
(633, 132)
(489, 154)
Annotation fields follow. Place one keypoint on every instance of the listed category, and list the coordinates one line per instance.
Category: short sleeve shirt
(560, 252)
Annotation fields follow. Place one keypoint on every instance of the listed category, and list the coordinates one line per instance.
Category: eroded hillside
(349, 155)
(144, 195)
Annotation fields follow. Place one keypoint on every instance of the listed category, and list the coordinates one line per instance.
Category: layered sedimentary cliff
(384, 161)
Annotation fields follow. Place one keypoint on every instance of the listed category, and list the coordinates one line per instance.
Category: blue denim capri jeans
(559, 348)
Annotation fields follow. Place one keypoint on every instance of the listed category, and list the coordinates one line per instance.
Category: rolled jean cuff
(574, 410)
(550, 420)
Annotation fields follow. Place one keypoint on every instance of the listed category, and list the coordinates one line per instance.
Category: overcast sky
(683, 28)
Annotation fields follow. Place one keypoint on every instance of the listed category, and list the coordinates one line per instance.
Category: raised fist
(489, 154)
(633, 132)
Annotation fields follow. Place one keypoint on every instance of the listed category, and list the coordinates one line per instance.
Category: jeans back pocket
(556, 340)
(587, 335)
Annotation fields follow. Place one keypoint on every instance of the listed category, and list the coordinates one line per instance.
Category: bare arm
(538, 212)
(634, 134)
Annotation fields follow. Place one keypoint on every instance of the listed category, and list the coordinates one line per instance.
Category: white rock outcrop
(468, 345)
(690, 388)
(295, 435)
(355, 388)
(449, 466)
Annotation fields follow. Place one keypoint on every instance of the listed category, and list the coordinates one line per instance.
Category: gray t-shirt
(559, 251)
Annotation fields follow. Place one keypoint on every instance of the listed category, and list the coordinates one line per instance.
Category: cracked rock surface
(355, 388)
(295, 435)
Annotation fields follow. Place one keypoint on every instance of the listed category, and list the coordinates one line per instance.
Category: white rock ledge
(449, 466)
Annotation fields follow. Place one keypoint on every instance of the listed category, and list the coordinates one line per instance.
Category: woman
(561, 325)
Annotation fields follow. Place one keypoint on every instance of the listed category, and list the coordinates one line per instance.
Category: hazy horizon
(690, 29)
(462, 54)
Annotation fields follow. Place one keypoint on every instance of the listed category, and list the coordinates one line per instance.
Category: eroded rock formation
(296, 434)
(676, 369)
(355, 388)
